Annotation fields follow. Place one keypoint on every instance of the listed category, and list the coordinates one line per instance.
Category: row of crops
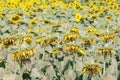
(59, 40)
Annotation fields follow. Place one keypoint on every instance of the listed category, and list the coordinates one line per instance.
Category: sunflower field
(59, 39)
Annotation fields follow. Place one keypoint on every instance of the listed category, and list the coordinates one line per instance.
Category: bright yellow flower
(15, 19)
(78, 17)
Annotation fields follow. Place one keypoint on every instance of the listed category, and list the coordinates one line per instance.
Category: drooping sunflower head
(20, 13)
(30, 31)
(2, 15)
(106, 52)
(54, 40)
(95, 16)
(40, 39)
(108, 17)
(15, 19)
(56, 25)
(75, 30)
(55, 51)
(70, 37)
(28, 39)
(47, 21)
(21, 55)
(34, 22)
(78, 7)
(7, 42)
(91, 69)
(75, 49)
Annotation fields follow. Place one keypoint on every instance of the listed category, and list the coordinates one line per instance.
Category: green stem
(92, 78)
(89, 77)
(74, 62)
(104, 69)
(43, 55)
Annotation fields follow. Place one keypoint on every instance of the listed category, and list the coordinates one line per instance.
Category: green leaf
(80, 77)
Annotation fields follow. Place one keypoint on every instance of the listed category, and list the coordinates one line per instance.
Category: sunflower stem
(43, 55)
(104, 69)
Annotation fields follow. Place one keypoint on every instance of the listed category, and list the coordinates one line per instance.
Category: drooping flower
(75, 30)
(2, 15)
(34, 22)
(75, 49)
(55, 51)
(7, 42)
(91, 69)
(22, 55)
(88, 42)
(47, 21)
(106, 37)
(27, 39)
(106, 52)
(109, 17)
(95, 16)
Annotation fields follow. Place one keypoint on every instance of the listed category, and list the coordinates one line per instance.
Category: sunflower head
(94, 16)
(55, 51)
(47, 21)
(78, 17)
(15, 19)
(2, 15)
(108, 17)
(91, 69)
(34, 22)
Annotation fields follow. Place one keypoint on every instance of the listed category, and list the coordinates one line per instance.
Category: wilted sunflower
(75, 49)
(2, 15)
(91, 69)
(117, 30)
(20, 14)
(94, 16)
(70, 37)
(75, 30)
(78, 7)
(23, 54)
(106, 52)
(27, 39)
(109, 17)
(53, 7)
(30, 31)
(47, 21)
(15, 19)
(7, 42)
(34, 22)
(78, 17)
(55, 51)
(39, 9)
(56, 25)
(40, 39)
(87, 42)
(90, 30)
(106, 37)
